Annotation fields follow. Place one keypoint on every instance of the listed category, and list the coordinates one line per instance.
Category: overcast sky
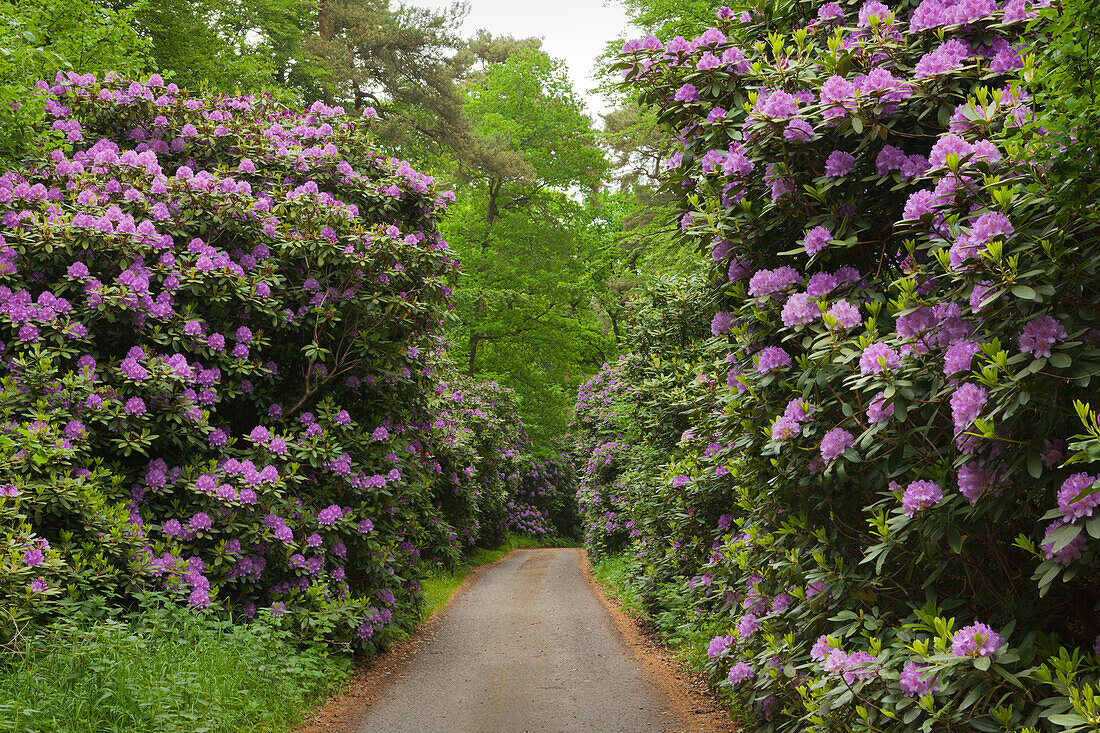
(572, 30)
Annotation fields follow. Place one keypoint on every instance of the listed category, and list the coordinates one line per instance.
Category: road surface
(527, 647)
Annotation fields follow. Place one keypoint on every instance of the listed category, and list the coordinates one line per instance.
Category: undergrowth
(162, 671)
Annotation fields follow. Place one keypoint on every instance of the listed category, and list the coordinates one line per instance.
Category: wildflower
(914, 682)
(839, 164)
(722, 323)
(747, 626)
(329, 515)
(878, 410)
(1039, 335)
(966, 405)
(772, 359)
(799, 310)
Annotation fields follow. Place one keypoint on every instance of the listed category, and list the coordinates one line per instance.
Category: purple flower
(772, 359)
(260, 435)
(778, 105)
(1071, 488)
(839, 164)
(200, 522)
(722, 323)
(816, 240)
(846, 314)
(822, 648)
(958, 357)
(766, 282)
(244, 335)
(33, 557)
(977, 640)
(798, 130)
(1041, 333)
(687, 94)
(966, 405)
(329, 515)
(1074, 550)
(835, 442)
(38, 585)
(914, 683)
(135, 406)
(877, 357)
(747, 626)
(739, 673)
(838, 96)
(800, 309)
(28, 333)
(878, 411)
(920, 495)
(719, 645)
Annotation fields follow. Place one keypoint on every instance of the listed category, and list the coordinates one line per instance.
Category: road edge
(687, 694)
(369, 679)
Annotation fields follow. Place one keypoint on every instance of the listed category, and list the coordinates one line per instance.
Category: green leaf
(1023, 291)
(1061, 537)
(1060, 360)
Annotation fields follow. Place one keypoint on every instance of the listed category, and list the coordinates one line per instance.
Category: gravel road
(527, 647)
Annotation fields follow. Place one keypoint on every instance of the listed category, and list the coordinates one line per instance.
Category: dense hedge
(222, 341)
(860, 478)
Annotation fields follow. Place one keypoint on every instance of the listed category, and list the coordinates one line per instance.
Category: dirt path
(527, 647)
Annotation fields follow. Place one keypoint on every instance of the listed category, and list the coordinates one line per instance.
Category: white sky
(573, 30)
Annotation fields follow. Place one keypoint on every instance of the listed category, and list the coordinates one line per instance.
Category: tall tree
(531, 235)
(400, 60)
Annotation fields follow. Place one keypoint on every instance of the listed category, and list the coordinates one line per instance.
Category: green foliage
(163, 670)
(828, 576)
(39, 38)
(529, 308)
(669, 18)
(229, 46)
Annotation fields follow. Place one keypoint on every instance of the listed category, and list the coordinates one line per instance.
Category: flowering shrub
(221, 319)
(868, 493)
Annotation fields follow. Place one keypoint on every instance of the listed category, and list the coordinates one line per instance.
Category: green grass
(440, 585)
(613, 574)
(179, 673)
(682, 633)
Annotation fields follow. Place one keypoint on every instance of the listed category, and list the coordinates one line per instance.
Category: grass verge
(167, 672)
(684, 635)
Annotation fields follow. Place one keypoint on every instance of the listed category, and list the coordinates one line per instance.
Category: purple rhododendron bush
(864, 487)
(222, 330)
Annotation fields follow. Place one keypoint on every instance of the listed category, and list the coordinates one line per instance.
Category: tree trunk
(491, 210)
(475, 339)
